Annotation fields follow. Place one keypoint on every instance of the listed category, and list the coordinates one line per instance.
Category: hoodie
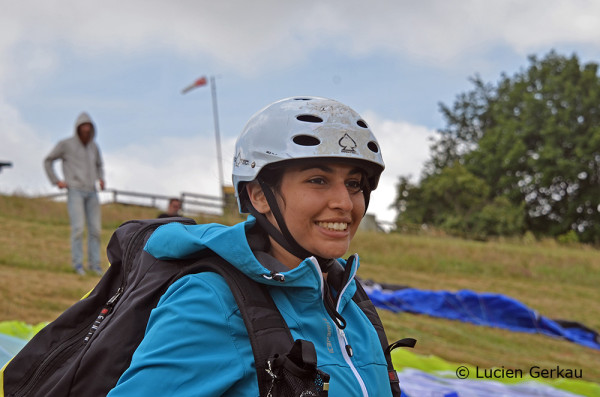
(196, 343)
(81, 164)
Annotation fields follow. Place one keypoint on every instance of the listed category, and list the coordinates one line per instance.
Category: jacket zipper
(346, 353)
(344, 345)
(343, 342)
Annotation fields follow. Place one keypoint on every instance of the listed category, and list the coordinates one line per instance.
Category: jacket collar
(245, 246)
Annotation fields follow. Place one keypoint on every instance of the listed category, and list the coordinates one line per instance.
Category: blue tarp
(416, 383)
(494, 310)
(9, 347)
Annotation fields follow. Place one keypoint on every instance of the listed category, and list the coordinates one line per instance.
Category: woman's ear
(257, 197)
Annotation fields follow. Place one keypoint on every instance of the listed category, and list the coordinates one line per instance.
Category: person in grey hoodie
(82, 167)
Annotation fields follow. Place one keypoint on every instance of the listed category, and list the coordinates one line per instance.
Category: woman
(304, 169)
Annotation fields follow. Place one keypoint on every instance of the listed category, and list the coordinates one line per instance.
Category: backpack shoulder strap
(362, 300)
(268, 332)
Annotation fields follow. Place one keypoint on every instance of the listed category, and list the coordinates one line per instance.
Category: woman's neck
(283, 256)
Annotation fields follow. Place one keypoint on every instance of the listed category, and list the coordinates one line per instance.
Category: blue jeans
(84, 207)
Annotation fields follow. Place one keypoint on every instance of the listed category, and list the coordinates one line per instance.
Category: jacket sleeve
(55, 154)
(192, 345)
(99, 164)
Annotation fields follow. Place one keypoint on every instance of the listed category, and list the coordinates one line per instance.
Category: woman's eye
(317, 181)
(354, 186)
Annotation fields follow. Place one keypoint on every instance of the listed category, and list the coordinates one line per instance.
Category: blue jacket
(196, 343)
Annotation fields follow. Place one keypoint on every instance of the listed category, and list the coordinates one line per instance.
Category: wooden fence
(196, 203)
(191, 202)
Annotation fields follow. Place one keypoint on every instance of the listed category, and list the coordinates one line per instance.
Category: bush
(568, 238)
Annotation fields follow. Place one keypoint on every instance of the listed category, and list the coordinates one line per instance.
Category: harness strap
(362, 300)
(268, 332)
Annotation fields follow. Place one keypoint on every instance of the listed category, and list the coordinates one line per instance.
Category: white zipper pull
(348, 347)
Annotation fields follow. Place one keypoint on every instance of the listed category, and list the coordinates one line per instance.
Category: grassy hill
(37, 284)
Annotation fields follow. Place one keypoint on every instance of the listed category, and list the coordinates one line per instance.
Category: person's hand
(62, 184)
(101, 184)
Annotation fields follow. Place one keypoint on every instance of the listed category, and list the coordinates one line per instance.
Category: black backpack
(87, 348)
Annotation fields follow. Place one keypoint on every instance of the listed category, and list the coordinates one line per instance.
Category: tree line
(519, 155)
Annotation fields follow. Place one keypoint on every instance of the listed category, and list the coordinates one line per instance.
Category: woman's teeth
(339, 226)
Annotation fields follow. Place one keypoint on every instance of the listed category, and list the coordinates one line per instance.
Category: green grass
(558, 281)
(37, 284)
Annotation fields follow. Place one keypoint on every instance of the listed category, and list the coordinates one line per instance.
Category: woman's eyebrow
(323, 168)
(328, 169)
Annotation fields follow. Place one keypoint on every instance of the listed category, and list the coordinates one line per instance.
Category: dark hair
(271, 175)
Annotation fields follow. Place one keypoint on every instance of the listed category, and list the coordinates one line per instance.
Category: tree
(456, 201)
(534, 140)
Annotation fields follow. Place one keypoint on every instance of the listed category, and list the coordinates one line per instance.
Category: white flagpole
(213, 87)
(217, 134)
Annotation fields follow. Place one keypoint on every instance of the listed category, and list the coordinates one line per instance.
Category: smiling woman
(324, 207)
(304, 168)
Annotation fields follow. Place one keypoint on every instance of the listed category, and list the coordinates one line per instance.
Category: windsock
(198, 83)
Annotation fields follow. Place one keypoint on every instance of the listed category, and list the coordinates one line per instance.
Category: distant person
(173, 209)
(82, 167)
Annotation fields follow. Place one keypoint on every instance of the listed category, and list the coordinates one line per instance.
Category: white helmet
(304, 127)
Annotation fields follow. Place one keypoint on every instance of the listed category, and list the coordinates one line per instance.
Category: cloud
(405, 148)
(27, 170)
(252, 39)
(264, 35)
(168, 166)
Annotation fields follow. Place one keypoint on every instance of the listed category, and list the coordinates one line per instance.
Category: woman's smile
(336, 226)
(322, 204)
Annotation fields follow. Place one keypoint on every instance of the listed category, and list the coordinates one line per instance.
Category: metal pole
(213, 90)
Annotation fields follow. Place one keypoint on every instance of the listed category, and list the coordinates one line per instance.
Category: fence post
(229, 201)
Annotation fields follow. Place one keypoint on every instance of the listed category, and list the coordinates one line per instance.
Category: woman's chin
(331, 253)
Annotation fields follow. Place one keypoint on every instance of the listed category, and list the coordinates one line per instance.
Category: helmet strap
(282, 236)
(289, 243)
(271, 230)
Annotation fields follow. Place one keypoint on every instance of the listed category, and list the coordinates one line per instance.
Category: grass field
(37, 284)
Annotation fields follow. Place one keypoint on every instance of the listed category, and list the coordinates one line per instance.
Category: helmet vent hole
(373, 147)
(362, 124)
(306, 140)
(309, 118)
(302, 99)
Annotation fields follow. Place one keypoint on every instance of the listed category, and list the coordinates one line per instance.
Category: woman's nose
(340, 197)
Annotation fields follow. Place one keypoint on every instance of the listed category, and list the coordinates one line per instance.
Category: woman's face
(322, 205)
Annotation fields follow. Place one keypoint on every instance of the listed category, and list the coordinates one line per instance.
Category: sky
(125, 63)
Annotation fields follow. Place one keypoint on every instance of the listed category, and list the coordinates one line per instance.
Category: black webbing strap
(268, 332)
(362, 300)
(283, 235)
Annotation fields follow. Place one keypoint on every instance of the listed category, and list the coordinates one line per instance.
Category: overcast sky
(126, 63)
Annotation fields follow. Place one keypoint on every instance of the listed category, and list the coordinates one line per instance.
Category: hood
(82, 119)
(179, 241)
